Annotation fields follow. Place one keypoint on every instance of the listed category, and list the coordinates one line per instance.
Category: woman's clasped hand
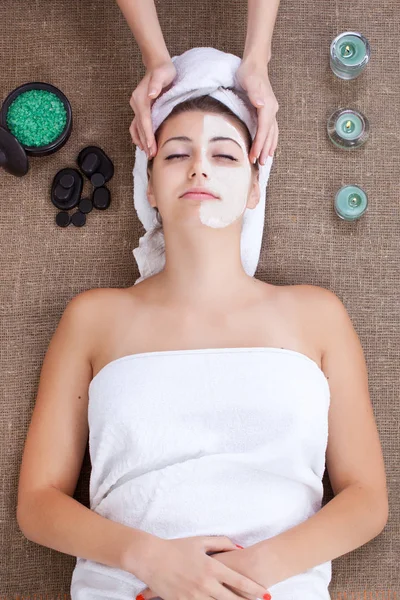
(180, 568)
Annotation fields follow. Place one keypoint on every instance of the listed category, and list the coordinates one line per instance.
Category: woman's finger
(137, 134)
(134, 134)
(239, 593)
(147, 126)
(137, 120)
(264, 126)
(141, 135)
(268, 144)
(274, 141)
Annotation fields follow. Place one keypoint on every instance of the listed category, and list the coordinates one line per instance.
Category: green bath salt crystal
(36, 117)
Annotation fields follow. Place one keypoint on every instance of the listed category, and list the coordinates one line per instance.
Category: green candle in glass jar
(351, 202)
(349, 54)
(348, 128)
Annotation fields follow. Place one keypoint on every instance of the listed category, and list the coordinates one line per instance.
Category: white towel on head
(200, 71)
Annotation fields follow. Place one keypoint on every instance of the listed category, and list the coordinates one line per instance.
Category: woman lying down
(207, 396)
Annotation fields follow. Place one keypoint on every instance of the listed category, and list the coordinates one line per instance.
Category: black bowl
(62, 138)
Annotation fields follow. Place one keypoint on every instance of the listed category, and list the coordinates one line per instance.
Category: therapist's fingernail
(237, 546)
(267, 596)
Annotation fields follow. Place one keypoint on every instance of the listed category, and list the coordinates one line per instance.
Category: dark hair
(207, 104)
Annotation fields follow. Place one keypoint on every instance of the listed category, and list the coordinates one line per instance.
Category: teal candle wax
(351, 202)
(348, 128)
(349, 54)
(36, 118)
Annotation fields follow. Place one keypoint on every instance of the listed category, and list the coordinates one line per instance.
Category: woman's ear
(254, 196)
(150, 194)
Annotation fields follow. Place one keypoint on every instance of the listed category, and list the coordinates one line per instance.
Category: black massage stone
(66, 189)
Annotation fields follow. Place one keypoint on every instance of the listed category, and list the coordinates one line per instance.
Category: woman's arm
(260, 26)
(52, 518)
(47, 514)
(141, 16)
(359, 510)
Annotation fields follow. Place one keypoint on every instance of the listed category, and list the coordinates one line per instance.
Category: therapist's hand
(254, 79)
(157, 78)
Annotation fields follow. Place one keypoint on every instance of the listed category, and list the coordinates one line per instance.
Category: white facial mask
(230, 184)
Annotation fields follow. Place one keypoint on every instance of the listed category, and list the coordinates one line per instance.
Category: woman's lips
(199, 196)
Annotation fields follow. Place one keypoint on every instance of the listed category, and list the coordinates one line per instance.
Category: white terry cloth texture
(200, 71)
(222, 441)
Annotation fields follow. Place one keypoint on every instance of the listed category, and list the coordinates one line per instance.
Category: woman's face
(222, 166)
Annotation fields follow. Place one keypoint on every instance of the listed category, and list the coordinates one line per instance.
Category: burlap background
(87, 49)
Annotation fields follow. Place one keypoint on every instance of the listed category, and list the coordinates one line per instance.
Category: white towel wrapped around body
(224, 441)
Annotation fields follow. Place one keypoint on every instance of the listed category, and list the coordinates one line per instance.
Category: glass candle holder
(349, 54)
(351, 202)
(348, 128)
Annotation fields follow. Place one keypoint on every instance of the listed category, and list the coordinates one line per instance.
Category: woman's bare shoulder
(312, 306)
(98, 307)
(323, 310)
(99, 298)
(311, 296)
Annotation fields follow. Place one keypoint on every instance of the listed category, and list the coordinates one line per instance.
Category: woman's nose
(200, 165)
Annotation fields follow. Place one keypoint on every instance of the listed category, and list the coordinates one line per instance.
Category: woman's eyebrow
(184, 138)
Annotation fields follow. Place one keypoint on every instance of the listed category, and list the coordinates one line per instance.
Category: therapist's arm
(141, 16)
(260, 26)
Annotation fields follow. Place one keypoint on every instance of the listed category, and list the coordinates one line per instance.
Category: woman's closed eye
(182, 155)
